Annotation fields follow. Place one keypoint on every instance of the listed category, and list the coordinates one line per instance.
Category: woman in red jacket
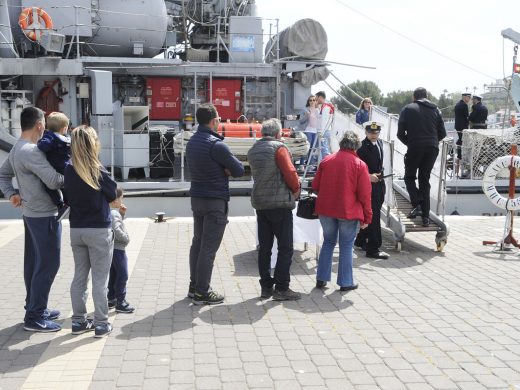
(343, 186)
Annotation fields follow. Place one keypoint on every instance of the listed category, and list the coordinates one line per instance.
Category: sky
(460, 32)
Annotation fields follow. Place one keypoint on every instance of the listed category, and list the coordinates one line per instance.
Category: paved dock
(421, 320)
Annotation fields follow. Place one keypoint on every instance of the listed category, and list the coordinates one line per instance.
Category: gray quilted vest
(269, 188)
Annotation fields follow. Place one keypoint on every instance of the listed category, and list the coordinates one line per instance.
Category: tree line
(394, 101)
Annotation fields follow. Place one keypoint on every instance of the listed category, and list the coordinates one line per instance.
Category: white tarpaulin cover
(306, 39)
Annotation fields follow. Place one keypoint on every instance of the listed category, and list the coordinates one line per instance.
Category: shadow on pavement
(16, 355)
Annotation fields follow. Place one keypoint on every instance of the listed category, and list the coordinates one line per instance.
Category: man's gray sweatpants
(92, 250)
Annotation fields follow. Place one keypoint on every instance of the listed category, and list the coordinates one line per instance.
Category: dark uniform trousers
(370, 238)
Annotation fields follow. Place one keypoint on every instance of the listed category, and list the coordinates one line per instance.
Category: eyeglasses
(312, 100)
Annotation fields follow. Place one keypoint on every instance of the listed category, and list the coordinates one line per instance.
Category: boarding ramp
(397, 202)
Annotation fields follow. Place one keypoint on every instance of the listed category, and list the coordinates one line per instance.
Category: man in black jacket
(461, 119)
(420, 128)
(371, 152)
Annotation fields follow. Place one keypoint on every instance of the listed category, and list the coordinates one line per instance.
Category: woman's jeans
(347, 229)
(311, 139)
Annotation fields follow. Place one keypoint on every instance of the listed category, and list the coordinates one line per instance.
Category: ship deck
(420, 320)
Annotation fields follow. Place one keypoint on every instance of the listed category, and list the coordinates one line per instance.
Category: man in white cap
(479, 114)
(371, 152)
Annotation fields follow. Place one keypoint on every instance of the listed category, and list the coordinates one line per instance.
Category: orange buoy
(32, 26)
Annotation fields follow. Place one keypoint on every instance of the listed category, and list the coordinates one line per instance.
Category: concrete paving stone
(390, 383)
(154, 372)
(419, 386)
(287, 384)
(102, 385)
(259, 381)
(130, 379)
(331, 372)
(203, 370)
(360, 378)
(490, 381)
(310, 379)
(182, 377)
(409, 376)
(441, 382)
(207, 383)
(471, 386)
(277, 361)
(133, 366)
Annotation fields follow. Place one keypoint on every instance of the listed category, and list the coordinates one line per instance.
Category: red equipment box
(227, 98)
(164, 98)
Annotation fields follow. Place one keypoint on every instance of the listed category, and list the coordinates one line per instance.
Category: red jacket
(343, 187)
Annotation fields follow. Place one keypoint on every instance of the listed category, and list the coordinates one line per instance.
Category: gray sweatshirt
(121, 237)
(32, 170)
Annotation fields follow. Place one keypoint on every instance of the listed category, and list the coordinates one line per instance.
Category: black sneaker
(320, 284)
(112, 303)
(210, 298)
(416, 211)
(266, 292)
(426, 221)
(102, 330)
(82, 327)
(124, 307)
(191, 291)
(349, 288)
(288, 295)
(63, 212)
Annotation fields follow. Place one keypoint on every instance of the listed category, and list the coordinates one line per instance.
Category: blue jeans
(41, 262)
(325, 144)
(347, 229)
(118, 276)
(311, 137)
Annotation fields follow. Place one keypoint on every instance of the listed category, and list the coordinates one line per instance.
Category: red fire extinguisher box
(164, 98)
(227, 97)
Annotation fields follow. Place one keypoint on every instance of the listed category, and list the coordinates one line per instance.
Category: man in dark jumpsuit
(461, 119)
(371, 152)
(478, 115)
(420, 128)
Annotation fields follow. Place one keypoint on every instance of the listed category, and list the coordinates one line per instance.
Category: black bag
(306, 206)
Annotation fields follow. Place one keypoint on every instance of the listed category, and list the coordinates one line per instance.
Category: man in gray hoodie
(42, 230)
(420, 128)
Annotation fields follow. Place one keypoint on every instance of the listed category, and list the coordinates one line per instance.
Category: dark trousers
(118, 275)
(41, 262)
(459, 144)
(371, 236)
(275, 223)
(419, 159)
(209, 224)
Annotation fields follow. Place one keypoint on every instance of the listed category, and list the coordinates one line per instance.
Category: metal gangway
(397, 202)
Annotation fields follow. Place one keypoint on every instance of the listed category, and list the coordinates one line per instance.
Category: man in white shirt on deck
(326, 118)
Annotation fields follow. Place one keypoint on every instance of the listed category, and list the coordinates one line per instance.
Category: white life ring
(488, 182)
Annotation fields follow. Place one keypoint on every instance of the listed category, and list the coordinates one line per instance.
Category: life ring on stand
(488, 182)
(32, 26)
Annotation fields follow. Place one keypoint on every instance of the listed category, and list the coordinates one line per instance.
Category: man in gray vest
(276, 187)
